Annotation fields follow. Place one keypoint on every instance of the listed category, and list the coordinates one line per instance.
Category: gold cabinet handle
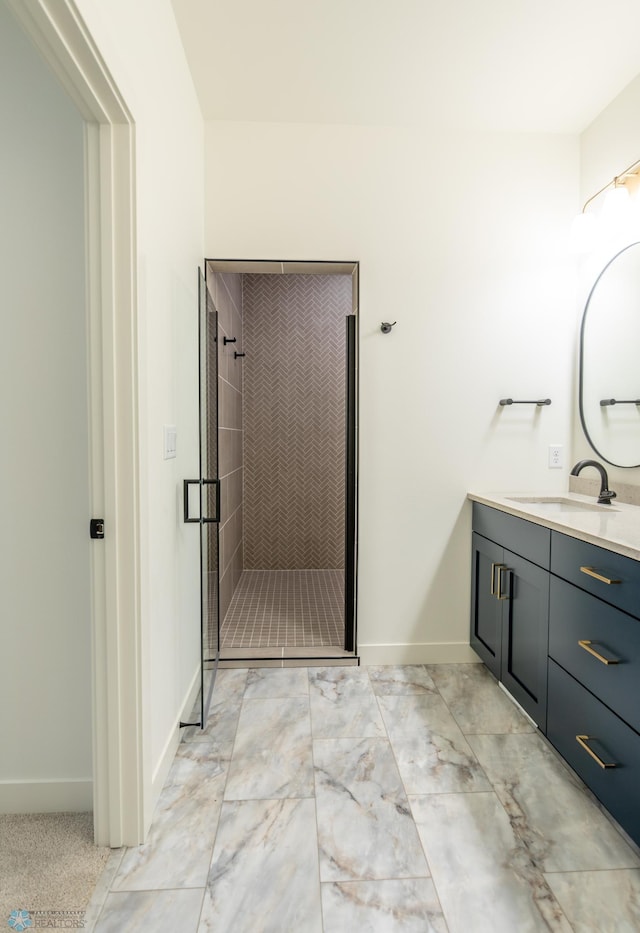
(494, 567)
(500, 594)
(584, 643)
(597, 576)
(582, 742)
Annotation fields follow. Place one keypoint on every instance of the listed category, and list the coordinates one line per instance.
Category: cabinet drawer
(573, 711)
(576, 616)
(518, 535)
(568, 555)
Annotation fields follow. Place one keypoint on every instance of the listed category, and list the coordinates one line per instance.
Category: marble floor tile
(272, 750)
(606, 901)
(157, 911)
(432, 754)
(338, 683)
(560, 824)
(229, 685)
(400, 679)
(513, 840)
(365, 829)
(224, 710)
(272, 683)
(177, 852)
(476, 701)
(398, 906)
(264, 870)
(343, 703)
(484, 878)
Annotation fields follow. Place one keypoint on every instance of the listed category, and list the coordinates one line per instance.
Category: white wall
(462, 240)
(141, 46)
(45, 709)
(607, 147)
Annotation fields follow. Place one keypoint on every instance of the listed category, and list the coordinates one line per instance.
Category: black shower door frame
(351, 484)
(296, 267)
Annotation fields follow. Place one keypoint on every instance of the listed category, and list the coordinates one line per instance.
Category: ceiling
(485, 65)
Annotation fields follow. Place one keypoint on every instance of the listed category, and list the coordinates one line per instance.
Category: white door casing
(59, 32)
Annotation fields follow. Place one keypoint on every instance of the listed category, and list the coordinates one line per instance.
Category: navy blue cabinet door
(510, 622)
(525, 635)
(486, 609)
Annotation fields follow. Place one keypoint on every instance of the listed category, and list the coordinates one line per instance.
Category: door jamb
(59, 32)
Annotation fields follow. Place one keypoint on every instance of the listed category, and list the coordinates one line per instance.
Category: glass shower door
(210, 484)
(209, 493)
(208, 499)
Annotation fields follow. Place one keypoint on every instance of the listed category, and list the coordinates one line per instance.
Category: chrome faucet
(606, 494)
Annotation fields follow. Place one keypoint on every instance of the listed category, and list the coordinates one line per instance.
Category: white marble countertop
(615, 527)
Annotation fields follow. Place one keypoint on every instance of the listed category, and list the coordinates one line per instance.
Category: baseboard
(426, 653)
(165, 761)
(70, 796)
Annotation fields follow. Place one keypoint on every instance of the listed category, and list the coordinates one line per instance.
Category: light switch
(170, 438)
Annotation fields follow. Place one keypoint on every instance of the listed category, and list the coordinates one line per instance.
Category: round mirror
(609, 370)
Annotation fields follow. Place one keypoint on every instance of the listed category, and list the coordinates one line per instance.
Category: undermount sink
(560, 504)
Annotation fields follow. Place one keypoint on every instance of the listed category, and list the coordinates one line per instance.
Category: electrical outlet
(556, 459)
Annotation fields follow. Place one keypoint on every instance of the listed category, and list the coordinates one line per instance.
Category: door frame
(57, 29)
(335, 267)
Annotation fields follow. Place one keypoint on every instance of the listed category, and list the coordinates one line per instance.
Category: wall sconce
(615, 217)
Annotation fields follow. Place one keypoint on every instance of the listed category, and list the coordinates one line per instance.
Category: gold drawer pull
(584, 643)
(500, 594)
(493, 579)
(597, 576)
(582, 742)
(494, 567)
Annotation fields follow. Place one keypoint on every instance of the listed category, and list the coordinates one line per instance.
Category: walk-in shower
(285, 357)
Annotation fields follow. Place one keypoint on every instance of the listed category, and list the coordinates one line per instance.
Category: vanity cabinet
(557, 621)
(510, 604)
(594, 671)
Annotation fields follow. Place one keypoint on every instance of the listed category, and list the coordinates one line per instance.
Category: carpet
(49, 867)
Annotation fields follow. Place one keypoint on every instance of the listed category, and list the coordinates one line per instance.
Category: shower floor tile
(286, 608)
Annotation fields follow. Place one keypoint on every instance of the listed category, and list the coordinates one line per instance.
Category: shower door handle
(196, 482)
(216, 483)
(185, 501)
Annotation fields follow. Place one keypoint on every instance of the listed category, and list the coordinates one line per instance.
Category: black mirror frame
(621, 466)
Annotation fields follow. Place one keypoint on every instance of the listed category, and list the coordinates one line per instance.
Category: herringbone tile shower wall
(294, 420)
